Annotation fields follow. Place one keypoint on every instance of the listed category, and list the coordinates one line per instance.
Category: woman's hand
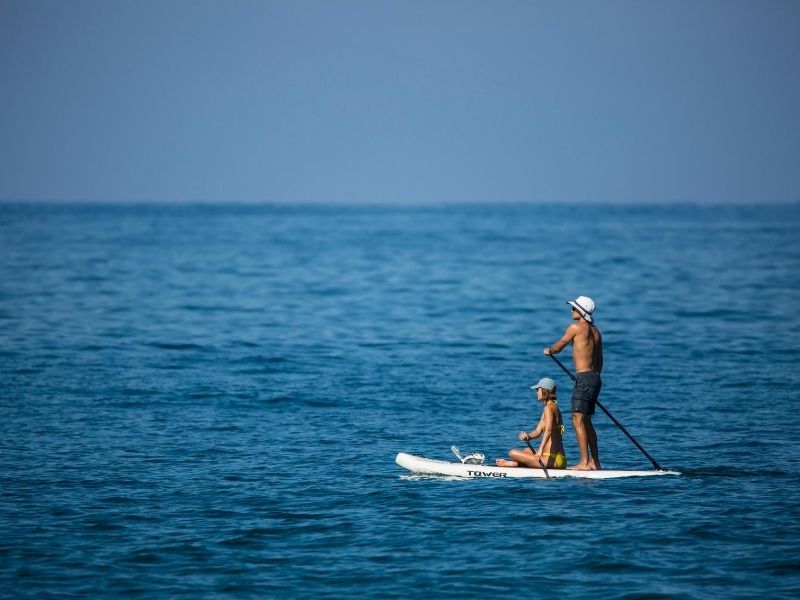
(523, 436)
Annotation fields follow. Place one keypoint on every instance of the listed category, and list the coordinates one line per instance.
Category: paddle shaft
(610, 416)
(546, 474)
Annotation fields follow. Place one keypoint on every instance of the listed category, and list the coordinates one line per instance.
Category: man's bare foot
(581, 467)
(501, 462)
(593, 466)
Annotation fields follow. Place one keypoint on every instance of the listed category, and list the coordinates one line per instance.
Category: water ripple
(207, 401)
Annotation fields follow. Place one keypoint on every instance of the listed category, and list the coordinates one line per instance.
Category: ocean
(205, 401)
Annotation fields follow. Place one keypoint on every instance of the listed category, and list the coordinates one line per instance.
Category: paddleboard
(428, 466)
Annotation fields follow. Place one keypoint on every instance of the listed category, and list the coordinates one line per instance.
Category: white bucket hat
(584, 305)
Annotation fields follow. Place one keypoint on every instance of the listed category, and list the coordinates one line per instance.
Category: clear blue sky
(405, 101)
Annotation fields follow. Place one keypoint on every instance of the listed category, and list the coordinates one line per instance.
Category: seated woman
(550, 427)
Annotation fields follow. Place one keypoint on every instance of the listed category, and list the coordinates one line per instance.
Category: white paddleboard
(428, 466)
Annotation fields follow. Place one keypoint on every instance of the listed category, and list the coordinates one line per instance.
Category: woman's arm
(523, 436)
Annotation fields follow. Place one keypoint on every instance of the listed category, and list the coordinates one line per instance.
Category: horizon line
(395, 204)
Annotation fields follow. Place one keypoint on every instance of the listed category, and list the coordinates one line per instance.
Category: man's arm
(563, 342)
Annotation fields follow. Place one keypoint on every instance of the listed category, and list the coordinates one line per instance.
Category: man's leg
(579, 424)
(591, 436)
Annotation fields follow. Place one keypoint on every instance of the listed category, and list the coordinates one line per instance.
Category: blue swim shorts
(585, 393)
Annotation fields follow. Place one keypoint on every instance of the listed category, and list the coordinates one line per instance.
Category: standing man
(587, 352)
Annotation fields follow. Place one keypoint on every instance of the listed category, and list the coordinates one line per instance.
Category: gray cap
(545, 383)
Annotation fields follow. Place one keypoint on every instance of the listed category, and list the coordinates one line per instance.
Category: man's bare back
(587, 346)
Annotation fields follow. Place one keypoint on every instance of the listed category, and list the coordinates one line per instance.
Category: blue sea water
(206, 401)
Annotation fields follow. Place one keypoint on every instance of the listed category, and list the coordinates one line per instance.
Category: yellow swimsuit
(561, 460)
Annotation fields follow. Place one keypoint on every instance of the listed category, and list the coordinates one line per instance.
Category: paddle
(610, 416)
(546, 474)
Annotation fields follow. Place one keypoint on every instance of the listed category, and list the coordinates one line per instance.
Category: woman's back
(555, 444)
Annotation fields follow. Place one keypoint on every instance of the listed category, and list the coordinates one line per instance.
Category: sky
(410, 102)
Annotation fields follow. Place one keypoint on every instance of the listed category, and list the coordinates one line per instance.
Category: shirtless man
(587, 352)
